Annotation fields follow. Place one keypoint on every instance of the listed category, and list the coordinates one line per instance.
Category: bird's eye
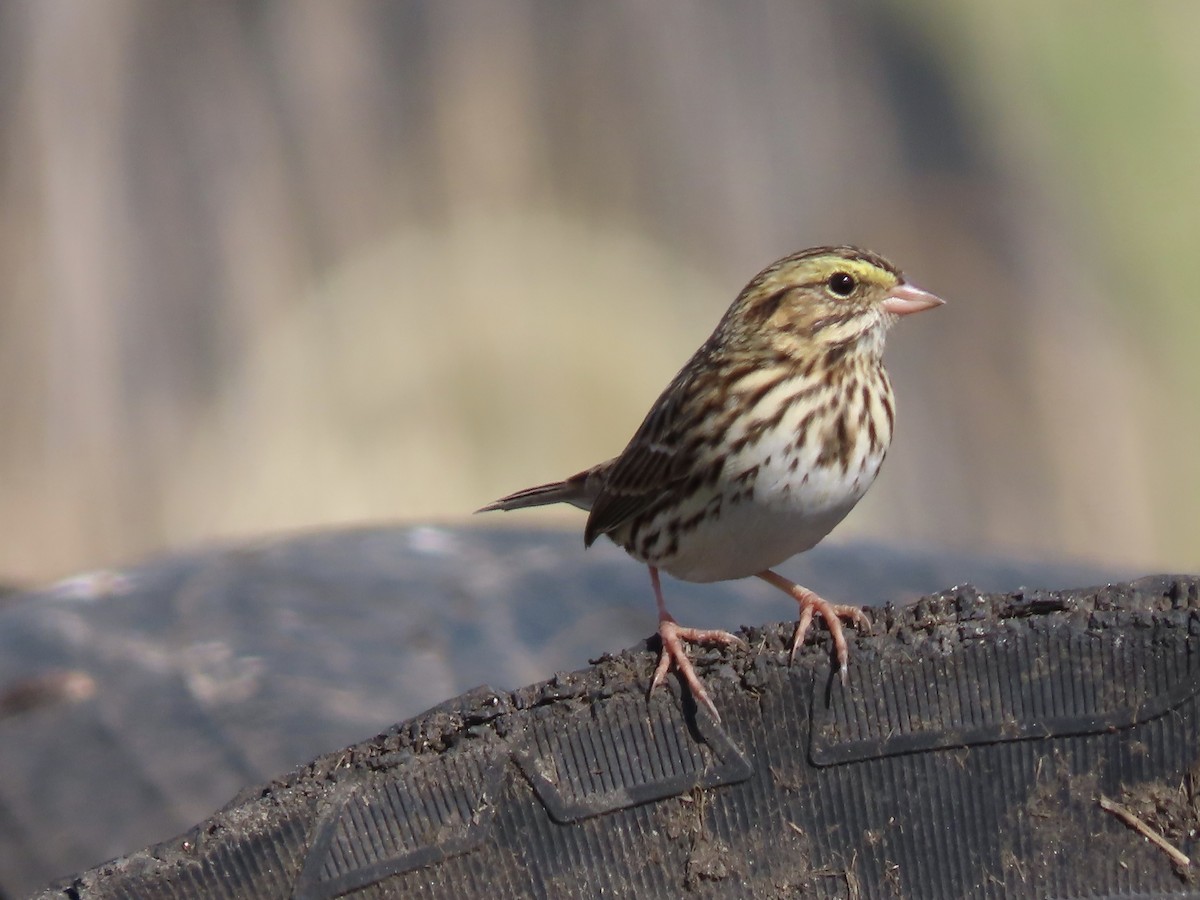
(841, 283)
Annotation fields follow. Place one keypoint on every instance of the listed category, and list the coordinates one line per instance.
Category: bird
(760, 445)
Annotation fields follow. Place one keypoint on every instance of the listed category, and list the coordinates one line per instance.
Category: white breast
(780, 518)
(776, 499)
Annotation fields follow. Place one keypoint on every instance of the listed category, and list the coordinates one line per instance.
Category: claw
(832, 614)
(672, 637)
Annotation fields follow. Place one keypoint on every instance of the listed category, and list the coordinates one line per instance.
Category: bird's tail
(578, 490)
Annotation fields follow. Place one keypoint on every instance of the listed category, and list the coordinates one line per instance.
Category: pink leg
(810, 603)
(672, 636)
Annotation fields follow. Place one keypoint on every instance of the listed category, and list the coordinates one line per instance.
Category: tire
(1003, 745)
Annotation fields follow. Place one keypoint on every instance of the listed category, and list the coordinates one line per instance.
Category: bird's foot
(673, 637)
(832, 613)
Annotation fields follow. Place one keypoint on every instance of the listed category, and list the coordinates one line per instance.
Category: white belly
(780, 517)
(778, 496)
(746, 541)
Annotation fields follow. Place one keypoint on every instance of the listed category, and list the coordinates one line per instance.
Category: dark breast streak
(859, 417)
(849, 403)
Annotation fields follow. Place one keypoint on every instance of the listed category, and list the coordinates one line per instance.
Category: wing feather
(650, 466)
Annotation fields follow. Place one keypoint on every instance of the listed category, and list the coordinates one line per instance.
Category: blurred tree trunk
(277, 264)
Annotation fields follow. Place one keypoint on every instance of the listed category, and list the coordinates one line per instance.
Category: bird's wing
(650, 466)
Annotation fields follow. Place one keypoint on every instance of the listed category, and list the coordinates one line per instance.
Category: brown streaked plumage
(760, 445)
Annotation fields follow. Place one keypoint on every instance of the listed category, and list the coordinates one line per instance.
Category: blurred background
(279, 265)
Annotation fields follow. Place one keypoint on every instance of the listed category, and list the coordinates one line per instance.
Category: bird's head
(825, 296)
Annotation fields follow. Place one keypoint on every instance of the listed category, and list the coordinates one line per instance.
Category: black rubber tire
(135, 702)
(976, 750)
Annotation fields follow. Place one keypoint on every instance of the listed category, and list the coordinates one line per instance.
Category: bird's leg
(810, 603)
(672, 636)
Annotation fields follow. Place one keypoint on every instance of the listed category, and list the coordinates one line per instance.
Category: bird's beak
(905, 299)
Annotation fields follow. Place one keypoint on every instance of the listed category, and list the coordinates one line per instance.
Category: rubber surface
(135, 702)
(966, 756)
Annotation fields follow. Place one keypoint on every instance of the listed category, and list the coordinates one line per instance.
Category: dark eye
(841, 283)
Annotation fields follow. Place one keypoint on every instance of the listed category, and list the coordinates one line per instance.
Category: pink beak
(905, 299)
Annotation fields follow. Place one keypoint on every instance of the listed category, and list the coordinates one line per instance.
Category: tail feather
(578, 490)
